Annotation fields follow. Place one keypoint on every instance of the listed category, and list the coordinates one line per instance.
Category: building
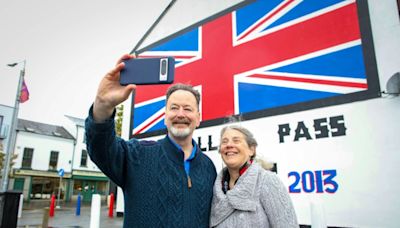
(44, 152)
(6, 113)
(43, 163)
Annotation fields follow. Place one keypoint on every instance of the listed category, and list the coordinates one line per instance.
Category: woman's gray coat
(259, 199)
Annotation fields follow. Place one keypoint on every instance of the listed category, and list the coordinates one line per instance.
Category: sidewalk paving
(65, 216)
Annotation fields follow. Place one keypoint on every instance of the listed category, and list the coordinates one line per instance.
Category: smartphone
(147, 71)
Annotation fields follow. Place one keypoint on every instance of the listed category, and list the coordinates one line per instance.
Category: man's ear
(198, 119)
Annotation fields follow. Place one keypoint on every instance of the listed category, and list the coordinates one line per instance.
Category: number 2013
(318, 181)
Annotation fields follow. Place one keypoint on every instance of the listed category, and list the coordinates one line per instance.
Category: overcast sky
(69, 45)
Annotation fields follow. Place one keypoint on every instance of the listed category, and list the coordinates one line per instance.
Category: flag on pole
(24, 95)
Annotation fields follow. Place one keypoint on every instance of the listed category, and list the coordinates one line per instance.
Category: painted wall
(343, 158)
(364, 159)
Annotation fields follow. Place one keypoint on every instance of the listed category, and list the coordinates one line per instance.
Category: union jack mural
(265, 58)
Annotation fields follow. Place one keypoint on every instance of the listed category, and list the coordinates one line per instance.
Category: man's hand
(110, 93)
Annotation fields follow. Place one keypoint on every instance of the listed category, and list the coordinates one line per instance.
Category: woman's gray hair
(248, 136)
(251, 141)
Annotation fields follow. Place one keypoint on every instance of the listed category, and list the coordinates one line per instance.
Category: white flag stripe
(316, 77)
(301, 85)
(148, 121)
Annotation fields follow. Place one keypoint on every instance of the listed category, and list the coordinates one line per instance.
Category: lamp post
(13, 129)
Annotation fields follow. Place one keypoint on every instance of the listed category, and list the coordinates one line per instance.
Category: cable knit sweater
(258, 199)
(153, 178)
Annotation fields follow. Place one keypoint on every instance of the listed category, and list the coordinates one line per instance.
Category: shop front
(87, 183)
(41, 185)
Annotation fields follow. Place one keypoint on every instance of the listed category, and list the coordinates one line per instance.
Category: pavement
(65, 216)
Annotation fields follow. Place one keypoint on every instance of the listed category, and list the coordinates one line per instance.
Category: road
(66, 217)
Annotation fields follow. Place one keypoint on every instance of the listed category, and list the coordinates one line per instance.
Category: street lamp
(13, 129)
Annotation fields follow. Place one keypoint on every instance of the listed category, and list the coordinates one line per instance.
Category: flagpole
(13, 130)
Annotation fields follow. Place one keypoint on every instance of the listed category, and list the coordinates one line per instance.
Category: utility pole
(13, 130)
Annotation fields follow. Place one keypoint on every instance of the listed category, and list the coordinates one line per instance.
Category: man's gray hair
(185, 87)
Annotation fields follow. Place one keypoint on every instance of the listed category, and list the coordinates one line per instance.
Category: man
(167, 183)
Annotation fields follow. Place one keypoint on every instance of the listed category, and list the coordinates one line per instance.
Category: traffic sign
(61, 172)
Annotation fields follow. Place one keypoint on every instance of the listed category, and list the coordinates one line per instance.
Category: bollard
(111, 206)
(45, 221)
(95, 211)
(21, 204)
(317, 214)
(52, 204)
(78, 205)
(120, 202)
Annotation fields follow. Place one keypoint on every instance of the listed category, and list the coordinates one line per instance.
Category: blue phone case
(147, 71)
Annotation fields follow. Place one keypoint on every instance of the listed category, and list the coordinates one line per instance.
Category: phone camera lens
(163, 66)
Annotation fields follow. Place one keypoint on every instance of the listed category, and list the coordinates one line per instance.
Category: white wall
(43, 145)
(365, 160)
(386, 32)
(80, 145)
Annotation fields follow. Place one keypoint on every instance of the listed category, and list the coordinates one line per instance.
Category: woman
(245, 194)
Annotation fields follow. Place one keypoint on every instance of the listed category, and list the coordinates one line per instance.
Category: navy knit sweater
(153, 178)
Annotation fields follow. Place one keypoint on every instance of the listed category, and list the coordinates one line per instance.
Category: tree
(3, 158)
(12, 159)
(118, 119)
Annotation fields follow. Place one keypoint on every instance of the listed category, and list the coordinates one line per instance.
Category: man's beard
(180, 133)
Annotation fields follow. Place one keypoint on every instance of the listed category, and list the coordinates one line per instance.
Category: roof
(76, 120)
(43, 129)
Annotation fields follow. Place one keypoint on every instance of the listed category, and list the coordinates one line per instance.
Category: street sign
(61, 172)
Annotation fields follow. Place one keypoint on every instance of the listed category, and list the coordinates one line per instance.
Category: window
(398, 6)
(84, 157)
(53, 160)
(2, 130)
(44, 187)
(27, 158)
